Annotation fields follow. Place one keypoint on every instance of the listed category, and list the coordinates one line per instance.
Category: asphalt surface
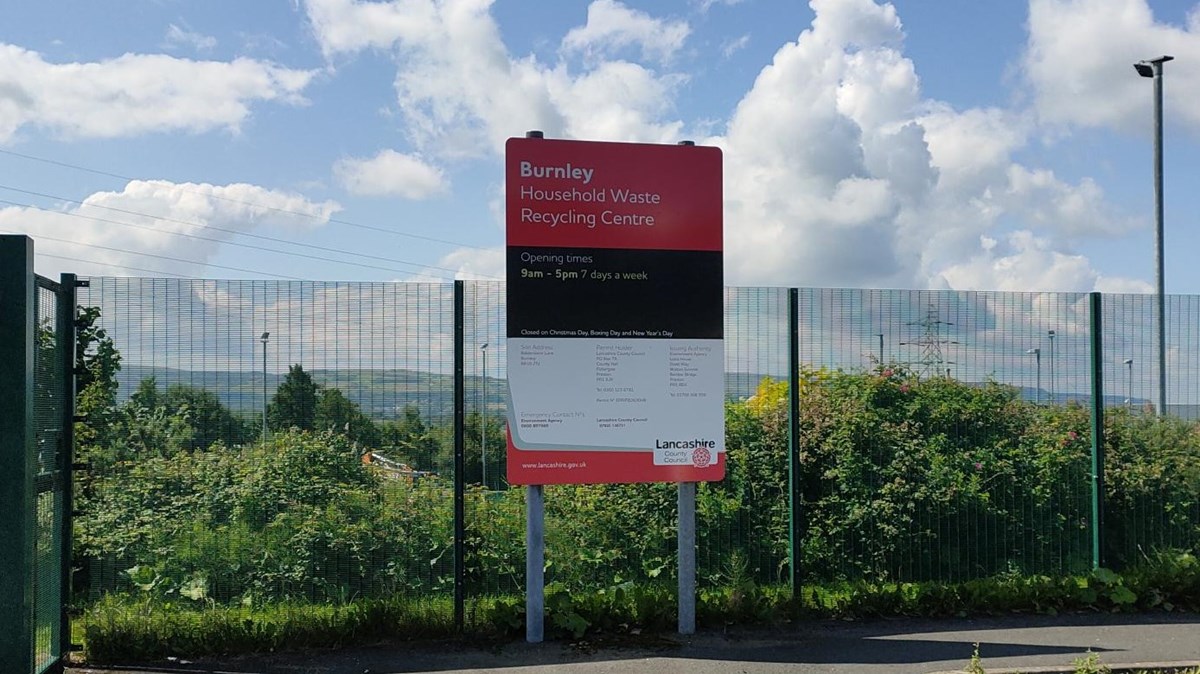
(901, 646)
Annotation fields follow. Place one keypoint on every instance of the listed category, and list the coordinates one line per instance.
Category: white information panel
(637, 394)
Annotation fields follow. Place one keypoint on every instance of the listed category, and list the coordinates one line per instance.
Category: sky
(910, 144)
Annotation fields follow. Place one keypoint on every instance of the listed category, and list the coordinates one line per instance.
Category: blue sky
(912, 144)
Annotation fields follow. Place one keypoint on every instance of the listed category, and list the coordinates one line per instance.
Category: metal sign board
(615, 312)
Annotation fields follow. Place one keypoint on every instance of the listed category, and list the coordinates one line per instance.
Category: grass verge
(127, 630)
(131, 629)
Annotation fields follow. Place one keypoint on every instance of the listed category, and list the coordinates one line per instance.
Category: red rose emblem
(701, 457)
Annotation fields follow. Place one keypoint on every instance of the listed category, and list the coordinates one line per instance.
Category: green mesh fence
(49, 383)
(278, 442)
(1152, 464)
(942, 436)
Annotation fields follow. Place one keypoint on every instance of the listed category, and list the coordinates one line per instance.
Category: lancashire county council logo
(701, 457)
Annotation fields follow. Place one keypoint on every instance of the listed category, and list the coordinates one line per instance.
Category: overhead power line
(110, 264)
(167, 257)
(338, 221)
(326, 249)
(202, 238)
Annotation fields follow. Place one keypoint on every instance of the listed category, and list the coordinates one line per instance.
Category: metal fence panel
(942, 436)
(906, 518)
(18, 320)
(208, 365)
(50, 384)
(1152, 467)
(33, 471)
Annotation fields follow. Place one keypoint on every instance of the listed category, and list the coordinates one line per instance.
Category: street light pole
(483, 418)
(1129, 385)
(880, 336)
(1050, 334)
(1153, 68)
(264, 338)
(1037, 357)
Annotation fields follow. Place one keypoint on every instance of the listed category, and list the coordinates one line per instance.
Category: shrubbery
(902, 479)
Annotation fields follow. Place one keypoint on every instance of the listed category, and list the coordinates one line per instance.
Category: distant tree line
(157, 421)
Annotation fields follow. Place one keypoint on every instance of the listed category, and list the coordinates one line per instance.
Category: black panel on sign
(615, 293)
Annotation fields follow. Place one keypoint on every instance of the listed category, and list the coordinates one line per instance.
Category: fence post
(65, 321)
(18, 315)
(795, 535)
(1097, 359)
(460, 566)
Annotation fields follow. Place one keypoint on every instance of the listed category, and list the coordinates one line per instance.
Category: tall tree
(210, 420)
(412, 440)
(478, 429)
(201, 409)
(337, 413)
(146, 395)
(294, 403)
(97, 362)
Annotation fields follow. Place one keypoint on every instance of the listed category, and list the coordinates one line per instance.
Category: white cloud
(136, 93)
(159, 211)
(612, 27)
(1021, 262)
(461, 93)
(1106, 284)
(469, 264)
(837, 170)
(972, 149)
(705, 5)
(346, 26)
(1074, 211)
(181, 37)
(1079, 58)
(390, 173)
(857, 24)
(731, 47)
(616, 101)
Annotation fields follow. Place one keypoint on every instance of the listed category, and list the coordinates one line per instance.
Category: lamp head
(485, 346)
(264, 337)
(1034, 351)
(1128, 361)
(1146, 68)
(1051, 333)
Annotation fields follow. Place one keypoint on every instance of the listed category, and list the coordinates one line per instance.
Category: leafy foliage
(201, 410)
(904, 470)
(97, 363)
(918, 496)
(337, 413)
(148, 626)
(294, 404)
(410, 439)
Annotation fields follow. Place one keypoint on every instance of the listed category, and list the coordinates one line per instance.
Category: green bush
(298, 517)
(903, 480)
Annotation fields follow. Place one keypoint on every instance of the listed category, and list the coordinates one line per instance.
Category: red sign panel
(615, 312)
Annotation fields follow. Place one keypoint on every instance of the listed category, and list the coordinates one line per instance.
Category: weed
(1090, 664)
(975, 666)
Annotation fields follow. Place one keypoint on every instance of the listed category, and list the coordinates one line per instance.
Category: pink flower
(978, 466)
(1073, 435)
(887, 372)
(904, 388)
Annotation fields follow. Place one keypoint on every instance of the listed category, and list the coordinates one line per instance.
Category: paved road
(893, 646)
